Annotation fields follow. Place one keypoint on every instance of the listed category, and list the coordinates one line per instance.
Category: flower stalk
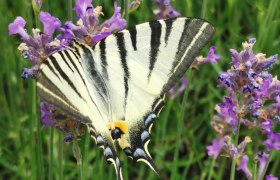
(211, 169)
(234, 160)
(265, 167)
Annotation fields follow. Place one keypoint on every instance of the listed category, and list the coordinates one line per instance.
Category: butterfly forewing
(123, 79)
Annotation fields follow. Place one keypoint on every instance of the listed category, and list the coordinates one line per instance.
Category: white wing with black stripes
(117, 87)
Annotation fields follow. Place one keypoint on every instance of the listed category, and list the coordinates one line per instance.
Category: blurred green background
(180, 135)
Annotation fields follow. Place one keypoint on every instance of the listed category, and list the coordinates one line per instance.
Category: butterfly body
(117, 87)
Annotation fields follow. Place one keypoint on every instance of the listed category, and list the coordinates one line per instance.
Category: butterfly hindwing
(117, 87)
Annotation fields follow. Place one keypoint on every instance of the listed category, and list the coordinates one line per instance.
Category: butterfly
(117, 87)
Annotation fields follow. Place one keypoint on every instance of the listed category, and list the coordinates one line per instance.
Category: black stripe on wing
(123, 56)
(155, 43)
(133, 37)
(184, 42)
(102, 46)
(168, 28)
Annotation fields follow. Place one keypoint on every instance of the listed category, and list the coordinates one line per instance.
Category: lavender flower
(38, 47)
(83, 8)
(243, 166)
(235, 151)
(216, 147)
(227, 113)
(47, 114)
(253, 83)
(211, 57)
(88, 28)
(49, 22)
(273, 141)
(262, 159)
(270, 177)
(250, 86)
(17, 27)
(166, 10)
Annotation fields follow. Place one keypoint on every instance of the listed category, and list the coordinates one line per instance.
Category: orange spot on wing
(121, 125)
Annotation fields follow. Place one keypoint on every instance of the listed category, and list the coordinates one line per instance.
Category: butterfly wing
(69, 80)
(140, 65)
(123, 78)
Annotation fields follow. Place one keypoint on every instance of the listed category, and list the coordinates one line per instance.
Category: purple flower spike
(174, 92)
(212, 57)
(166, 10)
(82, 6)
(262, 158)
(270, 177)
(17, 27)
(216, 147)
(273, 141)
(50, 23)
(115, 22)
(47, 115)
(243, 166)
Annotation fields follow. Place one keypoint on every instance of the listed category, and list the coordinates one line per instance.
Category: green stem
(204, 8)
(126, 11)
(70, 11)
(211, 169)
(32, 133)
(85, 155)
(180, 127)
(78, 156)
(51, 155)
(233, 164)
(60, 155)
(266, 166)
(255, 171)
(34, 106)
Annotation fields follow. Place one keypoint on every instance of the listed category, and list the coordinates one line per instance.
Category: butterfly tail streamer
(109, 150)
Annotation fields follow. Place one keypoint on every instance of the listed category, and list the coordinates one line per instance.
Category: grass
(180, 135)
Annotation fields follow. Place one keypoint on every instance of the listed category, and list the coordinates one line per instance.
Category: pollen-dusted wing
(117, 87)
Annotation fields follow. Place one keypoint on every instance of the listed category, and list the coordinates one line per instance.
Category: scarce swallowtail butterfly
(117, 87)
